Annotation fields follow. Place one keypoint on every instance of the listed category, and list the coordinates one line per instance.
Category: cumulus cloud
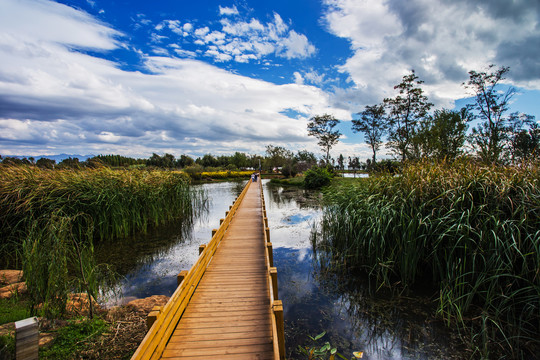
(54, 99)
(441, 39)
(228, 10)
(244, 40)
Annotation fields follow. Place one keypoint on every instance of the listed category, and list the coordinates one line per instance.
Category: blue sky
(136, 77)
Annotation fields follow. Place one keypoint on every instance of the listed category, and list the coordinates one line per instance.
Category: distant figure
(252, 177)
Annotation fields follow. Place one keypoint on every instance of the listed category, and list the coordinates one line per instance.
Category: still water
(383, 327)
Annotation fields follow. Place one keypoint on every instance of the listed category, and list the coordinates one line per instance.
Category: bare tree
(373, 125)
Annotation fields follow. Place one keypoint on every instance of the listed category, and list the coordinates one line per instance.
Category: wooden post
(201, 248)
(273, 275)
(181, 276)
(214, 231)
(265, 219)
(27, 339)
(267, 234)
(226, 213)
(277, 307)
(152, 316)
(270, 254)
(221, 221)
(230, 207)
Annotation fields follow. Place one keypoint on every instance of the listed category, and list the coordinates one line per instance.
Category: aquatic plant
(474, 230)
(119, 202)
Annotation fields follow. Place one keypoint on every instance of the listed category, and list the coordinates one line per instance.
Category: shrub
(317, 177)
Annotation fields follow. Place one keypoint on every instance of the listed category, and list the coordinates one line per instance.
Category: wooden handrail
(158, 335)
(278, 334)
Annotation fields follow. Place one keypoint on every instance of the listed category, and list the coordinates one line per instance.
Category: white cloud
(442, 40)
(228, 10)
(296, 46)
(54, 99)
(298, 79)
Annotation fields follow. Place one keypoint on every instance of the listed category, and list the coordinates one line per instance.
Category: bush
(317, 177)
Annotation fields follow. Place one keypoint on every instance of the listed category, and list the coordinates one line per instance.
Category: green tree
(443, 135)
(490, 104)
(45, 163)
(404, 113)
(322, 127)
(305, 160)
(373, 125)
(341, 162)
(524, 137)
(184, 161)
(277, 156)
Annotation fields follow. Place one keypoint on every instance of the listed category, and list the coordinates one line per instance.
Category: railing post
(267, 234)
(180, 277)
(201, 248)
(270, 254)
(221, 221)
(214, 231)
(27, 339)
(277, 307)
(152, 316)
(273, 275)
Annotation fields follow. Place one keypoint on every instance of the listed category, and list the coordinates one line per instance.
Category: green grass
(295, 181)
(7, 347)
(119, 202)
(13, 310)
(473, 230)
(74, 339)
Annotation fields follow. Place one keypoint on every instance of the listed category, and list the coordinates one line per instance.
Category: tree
(405, 111)
(322, 127)
(277, 156)
(443, 136)
(524, 137)
(305, 160)
(184, 161)
(45, 163)
(373, 124)
(491, 104)
(341, 162)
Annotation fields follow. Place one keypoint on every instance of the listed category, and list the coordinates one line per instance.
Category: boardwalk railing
(276, 306)
(167, 318)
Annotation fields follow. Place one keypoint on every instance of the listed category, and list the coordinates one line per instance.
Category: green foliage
(7, 347)
(373, 125)
(318, 352)
(74, 339)
(405, 111)
(13, 309)
(322, 127)
(119, 202)
(317, 177)
(472, 229)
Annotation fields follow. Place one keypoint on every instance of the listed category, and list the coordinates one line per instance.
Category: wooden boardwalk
(231, 312)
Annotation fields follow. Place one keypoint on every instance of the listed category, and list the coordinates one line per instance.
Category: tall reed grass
(473, 230)
(119, 202)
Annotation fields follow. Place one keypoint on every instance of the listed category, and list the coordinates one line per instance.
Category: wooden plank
(215, 351)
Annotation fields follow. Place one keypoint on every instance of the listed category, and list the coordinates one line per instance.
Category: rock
(7, 329)
(8, 277)
(145, 305)
(78, 304)
(45, 339)
(8, 291)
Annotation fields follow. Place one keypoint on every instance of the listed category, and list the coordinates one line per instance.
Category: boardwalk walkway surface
(230, 313)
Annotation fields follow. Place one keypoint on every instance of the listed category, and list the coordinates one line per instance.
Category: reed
(119, 202)
(474, 230)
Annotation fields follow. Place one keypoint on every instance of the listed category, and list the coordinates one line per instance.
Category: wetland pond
(379, 325)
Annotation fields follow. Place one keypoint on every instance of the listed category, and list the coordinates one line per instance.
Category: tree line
(412, 132)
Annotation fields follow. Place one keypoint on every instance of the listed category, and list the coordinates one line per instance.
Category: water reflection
(150, 262)
(314, 300)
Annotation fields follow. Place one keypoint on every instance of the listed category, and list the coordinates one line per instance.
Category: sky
(135, 77)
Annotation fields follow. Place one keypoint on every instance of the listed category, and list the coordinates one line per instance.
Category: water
(382, 326)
